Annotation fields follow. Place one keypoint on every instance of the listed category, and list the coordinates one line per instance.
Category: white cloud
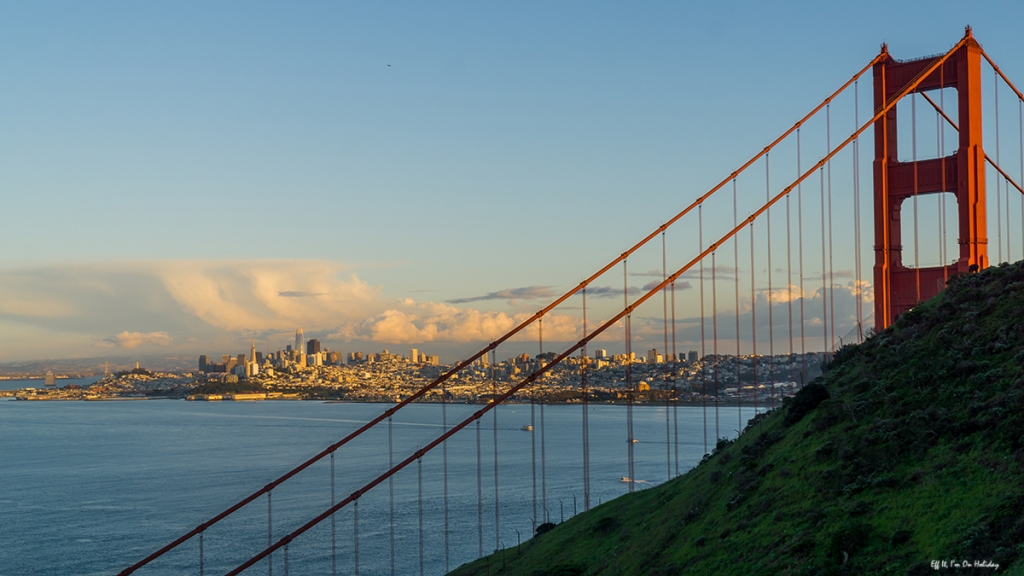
(131, 340)
(410, 322)
(195, 305)
(192, 306)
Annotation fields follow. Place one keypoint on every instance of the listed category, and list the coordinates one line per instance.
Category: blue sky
(368, 159)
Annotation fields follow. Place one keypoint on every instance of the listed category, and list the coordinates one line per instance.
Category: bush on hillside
(805, 400)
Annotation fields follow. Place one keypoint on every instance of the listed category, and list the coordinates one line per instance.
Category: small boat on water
(634, 440)
(626, 479)
(527, 428)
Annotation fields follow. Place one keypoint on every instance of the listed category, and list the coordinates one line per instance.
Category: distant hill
(908, 450)
(95, 365)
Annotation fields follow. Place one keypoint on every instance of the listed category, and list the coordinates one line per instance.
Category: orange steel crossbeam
(607, 324)
(493, 345)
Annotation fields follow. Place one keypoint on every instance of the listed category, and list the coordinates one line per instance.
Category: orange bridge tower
(897, 287)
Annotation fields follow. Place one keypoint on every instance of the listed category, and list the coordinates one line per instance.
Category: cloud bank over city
(206, 306)
(182, 306)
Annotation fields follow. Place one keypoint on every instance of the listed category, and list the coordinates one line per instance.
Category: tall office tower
(312, 346)
(224, 358)
(652, 356)
(601, 353)
(241, 360)
(300, 340)
(252, 352)
(414, 356)
(203, 361)
(692, 357)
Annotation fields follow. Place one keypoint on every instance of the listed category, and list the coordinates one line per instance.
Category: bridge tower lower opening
(898, 287)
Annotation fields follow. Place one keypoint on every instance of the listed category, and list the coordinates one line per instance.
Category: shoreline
(687, 403)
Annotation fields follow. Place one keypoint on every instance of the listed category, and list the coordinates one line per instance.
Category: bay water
(93, 487)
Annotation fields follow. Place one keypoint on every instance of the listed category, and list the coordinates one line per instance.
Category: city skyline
(395, 176)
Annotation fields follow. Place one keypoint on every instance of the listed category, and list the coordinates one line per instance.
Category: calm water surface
(92, 487)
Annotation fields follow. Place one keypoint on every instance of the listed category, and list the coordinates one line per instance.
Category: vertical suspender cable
(1006, 187)
(800, 249)
(753, 324)
(444, 473)
(586, 415)
(771, 295)
(942, 153)
(714, 324)
(543, 459)
(942, 189)
(286, 560)
(999, 226)
(736, 289)
(391, 494)
(940, 207)
(675, 376)
(789, 281)
(831, 275)
(858, 287)
(999, 215)
(629, 375)
(419, 498)
(355, 534)
(703, 372)
(917, 241)
(497, 533)
(533, 453)
(479, 494)
(824, 271)
(270, 536)
(334, 532)
(201, 554)
(665, 382)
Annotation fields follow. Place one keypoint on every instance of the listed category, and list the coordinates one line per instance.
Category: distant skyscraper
(692, 357)
(312, 346)
(300, 340)
(601, 353)
(50, 379)
(414, 356)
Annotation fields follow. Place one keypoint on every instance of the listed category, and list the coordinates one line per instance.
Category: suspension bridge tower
(899, 288)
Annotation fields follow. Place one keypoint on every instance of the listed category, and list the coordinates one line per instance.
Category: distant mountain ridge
(95, 365)
(905, 457)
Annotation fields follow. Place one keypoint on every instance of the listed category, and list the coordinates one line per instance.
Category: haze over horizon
(180, 180)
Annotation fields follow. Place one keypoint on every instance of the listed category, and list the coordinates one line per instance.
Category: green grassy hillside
(908, 449)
